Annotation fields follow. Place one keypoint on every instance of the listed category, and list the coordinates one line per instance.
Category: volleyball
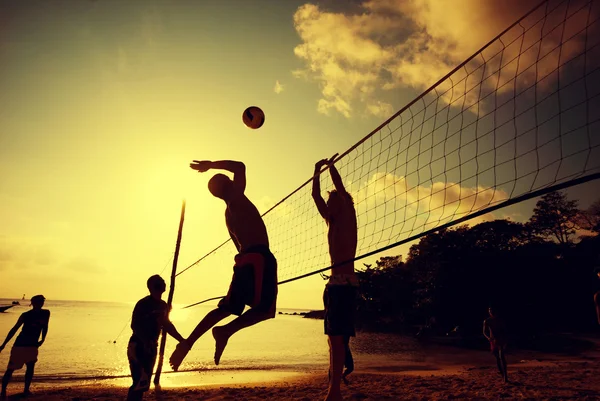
(253, 117)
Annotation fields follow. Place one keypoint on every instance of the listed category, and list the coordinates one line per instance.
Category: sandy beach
(553, 381)
(448, 374)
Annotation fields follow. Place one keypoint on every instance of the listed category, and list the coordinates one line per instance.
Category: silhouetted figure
(150, 316)
(25, 348)
(498, 339)
(597, 297)
(339, 297)
(254, 281)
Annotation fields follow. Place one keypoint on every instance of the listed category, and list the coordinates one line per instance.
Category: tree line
(539, 275)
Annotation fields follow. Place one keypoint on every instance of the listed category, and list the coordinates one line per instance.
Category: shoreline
(172, 380)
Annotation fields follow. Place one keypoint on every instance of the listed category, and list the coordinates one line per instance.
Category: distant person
(254, 281)
(340, 293)
(25, 348)
(150, 316)
(597, 296)
(498, 338)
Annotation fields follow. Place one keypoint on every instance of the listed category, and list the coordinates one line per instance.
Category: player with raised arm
(254, 281)
(340, 293)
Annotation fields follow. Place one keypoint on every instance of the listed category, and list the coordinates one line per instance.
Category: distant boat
(4, 308)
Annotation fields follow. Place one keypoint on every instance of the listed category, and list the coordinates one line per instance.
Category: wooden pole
(163, 340)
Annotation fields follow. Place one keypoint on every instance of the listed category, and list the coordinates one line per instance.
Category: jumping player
(254, 281)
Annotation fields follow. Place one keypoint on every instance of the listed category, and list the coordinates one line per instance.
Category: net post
(163, 340)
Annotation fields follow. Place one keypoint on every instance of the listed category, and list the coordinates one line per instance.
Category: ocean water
(81, 335)
(80, 345)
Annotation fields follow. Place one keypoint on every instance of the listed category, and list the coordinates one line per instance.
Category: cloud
(380, 109)
(388, 44)
(585, 233)
(278, 87)
(422, 206)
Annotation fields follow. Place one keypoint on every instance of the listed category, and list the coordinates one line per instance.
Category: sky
(103, 105)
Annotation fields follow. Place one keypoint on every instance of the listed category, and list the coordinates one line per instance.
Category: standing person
(597, 296)
(340, 293)
(254, 281)
(150, 316)
(25, 348)
(498, 339)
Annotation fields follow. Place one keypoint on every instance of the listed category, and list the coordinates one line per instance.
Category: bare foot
(143, 384)
(177, 357)
(345, 375)
(221, 337)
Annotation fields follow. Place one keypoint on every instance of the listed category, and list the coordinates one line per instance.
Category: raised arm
(12, 332)
(316, 190)
(335, 175)
(337, 180)
(237, 168)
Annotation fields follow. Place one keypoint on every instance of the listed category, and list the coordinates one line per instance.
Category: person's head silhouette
(221, 186)
(37, 301)
(156, 286)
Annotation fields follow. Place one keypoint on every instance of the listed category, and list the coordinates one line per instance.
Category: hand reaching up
(325, 162)
(200, 166)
